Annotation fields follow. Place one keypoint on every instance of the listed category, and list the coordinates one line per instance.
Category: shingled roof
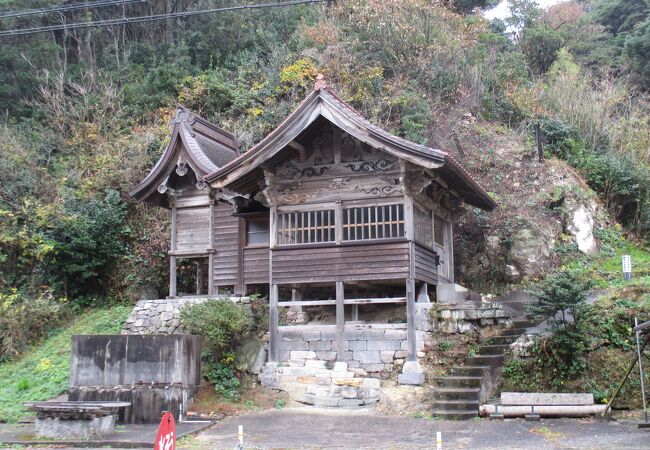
(323, 102)
(204, 146)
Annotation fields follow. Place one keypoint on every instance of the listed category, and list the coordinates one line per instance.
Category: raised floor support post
(412, 372)
(410, 319)
(273, 323)
(172, 276)
(423, 293)
(340, 319)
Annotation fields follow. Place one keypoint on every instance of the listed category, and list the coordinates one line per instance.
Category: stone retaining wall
(373, 351)
(468, 318)
(163, 316)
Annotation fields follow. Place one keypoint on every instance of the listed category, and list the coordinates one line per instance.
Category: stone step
(446, 393)
(459, 381)
(454, 415)
(484, 360)
(500, 340)
(525, 323)
(494, 349)
(456, 405)
(471, 371)
(513, 332)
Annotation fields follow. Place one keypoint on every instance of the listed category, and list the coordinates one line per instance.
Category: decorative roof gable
(323, 102)
(194, 142)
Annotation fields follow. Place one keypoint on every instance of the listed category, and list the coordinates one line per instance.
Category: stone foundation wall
(163, 316)
(371, 352)
(468, 318)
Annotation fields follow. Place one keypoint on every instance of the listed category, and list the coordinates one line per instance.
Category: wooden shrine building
(327, 210)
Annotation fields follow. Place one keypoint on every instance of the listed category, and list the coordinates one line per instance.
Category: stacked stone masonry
(164, 316)
(320, 383)
(375, 352)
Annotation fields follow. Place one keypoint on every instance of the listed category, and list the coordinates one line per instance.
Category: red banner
(166, 437)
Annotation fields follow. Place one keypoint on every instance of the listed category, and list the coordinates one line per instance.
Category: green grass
(42, 373)
(605, 268)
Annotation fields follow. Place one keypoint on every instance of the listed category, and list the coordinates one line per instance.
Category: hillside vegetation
(43, 372)
(85, 115)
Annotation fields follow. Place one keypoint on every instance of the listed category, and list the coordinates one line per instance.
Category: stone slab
(300, 354)
(383, 345)
(367, 357)
(411, 378)
(340, 366)
(537, 398)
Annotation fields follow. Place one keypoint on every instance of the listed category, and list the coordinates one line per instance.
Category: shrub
(24, 321)
(562, 302)
(225, 382)
(220, 322)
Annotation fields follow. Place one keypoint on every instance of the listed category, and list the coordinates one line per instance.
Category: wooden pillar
(423, 293)
(450, 250)
(211, 273)
(338, 222)
(172, 276)
(411, 335)
(211, 250)
(273, 323)
(172, 259)
(355, 308)
(240, 288)
(340, 319)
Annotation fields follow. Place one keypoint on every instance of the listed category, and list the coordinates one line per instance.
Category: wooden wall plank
(359, 262)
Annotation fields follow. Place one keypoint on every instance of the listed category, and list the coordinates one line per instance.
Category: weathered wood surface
(226, 240)
(410, 319)
(273, 323)
(74, 410)
(377, 301)
(256, 265)
(340, 319)
(343, 263)
(193, 229)
(335, 167)
(425, 264)
(307, 303)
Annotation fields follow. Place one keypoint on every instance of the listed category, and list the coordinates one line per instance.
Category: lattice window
(423, 227)
(373, 222)
(305, 227)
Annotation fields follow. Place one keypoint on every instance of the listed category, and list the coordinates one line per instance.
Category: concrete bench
(78, 420)
(533, 405)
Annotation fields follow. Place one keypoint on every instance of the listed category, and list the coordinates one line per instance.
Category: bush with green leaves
(541, 46)
(221, 323)
(562, 297)
(26, 320)
(224, 378)
(70, 247)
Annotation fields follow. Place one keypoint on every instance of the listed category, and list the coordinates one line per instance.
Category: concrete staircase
(459, 394)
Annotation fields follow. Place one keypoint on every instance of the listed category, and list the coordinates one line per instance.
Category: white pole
(438, 440)
(241, 436)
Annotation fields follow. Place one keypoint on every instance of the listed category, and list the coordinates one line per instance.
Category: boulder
(250, 355)
(530, 252)
(580, 217)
